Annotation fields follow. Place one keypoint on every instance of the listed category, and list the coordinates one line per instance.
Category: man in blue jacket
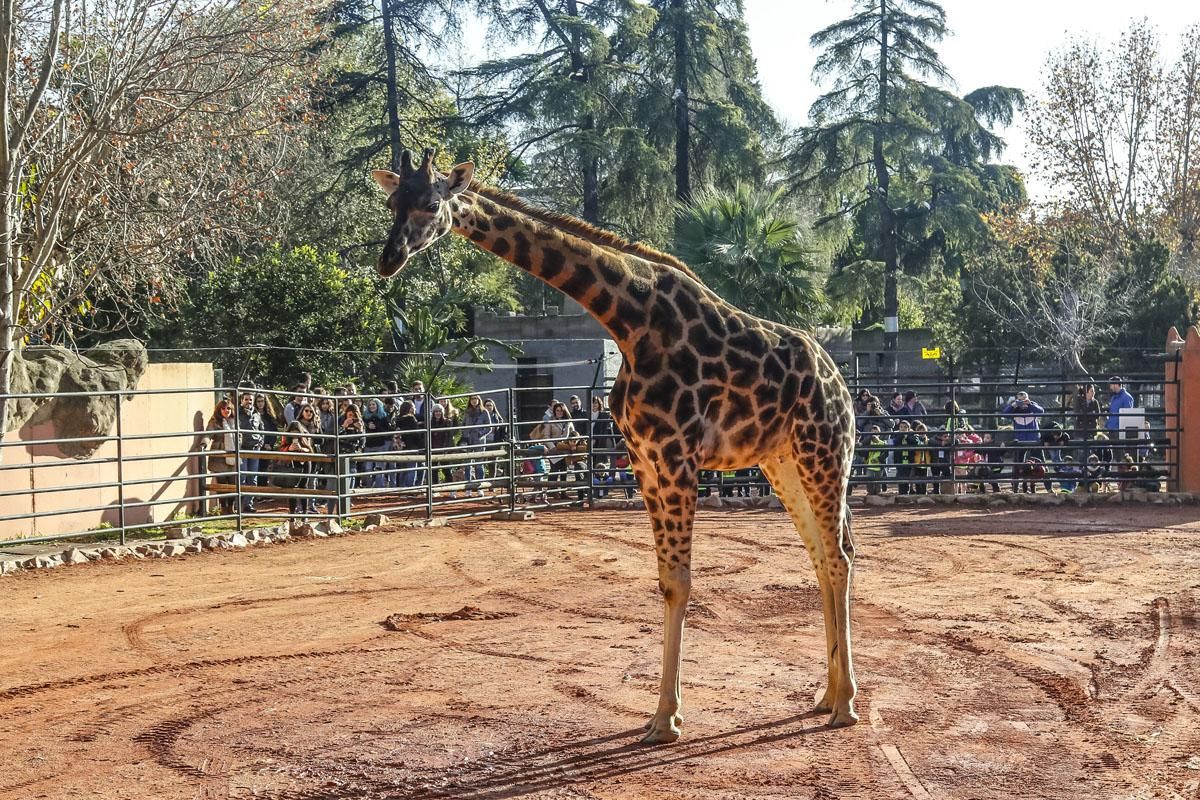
(1026, 436)
(1118, 398)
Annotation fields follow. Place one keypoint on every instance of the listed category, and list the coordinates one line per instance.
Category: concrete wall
(181, 412)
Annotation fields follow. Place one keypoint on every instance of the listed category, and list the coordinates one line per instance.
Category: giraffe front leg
(664, 726)
(671, 503)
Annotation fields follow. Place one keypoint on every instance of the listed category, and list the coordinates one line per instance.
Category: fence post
(590, 470)
(512, 451)
(428, 456)
(120, 471)
(341, 486)
(237, 451)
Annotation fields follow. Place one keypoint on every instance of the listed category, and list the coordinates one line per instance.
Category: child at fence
(296, 474)
(499, 435)
(965, 456)
(992, 464)
(922, 456)
(1095, 474)
(876, 454)
(906, 441)
(1069, 474)
(941, 463)
(533, 465)
(1027, 474)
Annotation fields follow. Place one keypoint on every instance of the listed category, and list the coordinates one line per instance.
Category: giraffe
(702, 385)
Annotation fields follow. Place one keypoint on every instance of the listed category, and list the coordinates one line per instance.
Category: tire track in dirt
(182, 668)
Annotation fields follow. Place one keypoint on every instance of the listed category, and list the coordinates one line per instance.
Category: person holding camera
(1026, 430)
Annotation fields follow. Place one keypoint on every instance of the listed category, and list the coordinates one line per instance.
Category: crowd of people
(902, 445)
(408, 434)
(393, 438)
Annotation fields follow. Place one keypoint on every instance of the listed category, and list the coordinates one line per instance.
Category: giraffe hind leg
(823, 527)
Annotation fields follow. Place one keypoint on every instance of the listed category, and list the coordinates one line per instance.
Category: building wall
(180, 412)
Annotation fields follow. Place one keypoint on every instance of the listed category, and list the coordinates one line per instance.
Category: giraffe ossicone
(703, 385)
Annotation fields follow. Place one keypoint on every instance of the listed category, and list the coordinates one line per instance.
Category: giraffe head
(417, 198)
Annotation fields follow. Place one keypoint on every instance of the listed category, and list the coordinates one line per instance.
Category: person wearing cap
(1118, 398)
(1024, 413)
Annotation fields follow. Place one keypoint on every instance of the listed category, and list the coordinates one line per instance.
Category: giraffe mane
(584, 230)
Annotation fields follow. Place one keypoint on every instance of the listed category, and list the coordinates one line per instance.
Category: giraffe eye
(433, 207)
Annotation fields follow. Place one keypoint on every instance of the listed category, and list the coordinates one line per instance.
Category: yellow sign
(931, 352)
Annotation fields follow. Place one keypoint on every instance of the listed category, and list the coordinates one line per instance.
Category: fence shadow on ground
(1044, 522)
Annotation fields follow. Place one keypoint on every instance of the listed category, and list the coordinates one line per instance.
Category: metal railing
(209, 477)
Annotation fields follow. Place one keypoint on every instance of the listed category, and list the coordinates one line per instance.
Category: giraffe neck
(613, 287)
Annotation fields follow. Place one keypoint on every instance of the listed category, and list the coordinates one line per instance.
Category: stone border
(190, 540)
(993, 500)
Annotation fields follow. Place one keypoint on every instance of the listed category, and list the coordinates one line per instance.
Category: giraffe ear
(460, 177)
(387, 180)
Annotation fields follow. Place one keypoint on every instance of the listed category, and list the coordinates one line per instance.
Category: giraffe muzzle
(390, 264)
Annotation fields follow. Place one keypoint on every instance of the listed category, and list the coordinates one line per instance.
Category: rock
(925, 500)
(109, 367)
(773, 501)
(193, 548)
(8, 566)
(331, 526)
(879, 500)
(42, 562)
(306, 531)
(997, 500)
(370, 528)
(971, 499)
(174, 549)
(514, 516)
(375, 519)
(74, 556)
(1116, 497)
(238, 540)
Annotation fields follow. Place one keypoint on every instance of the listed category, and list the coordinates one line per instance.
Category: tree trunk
(683, 178)
(393, 92)
(590, 160)
(8, 318)
(888, 250)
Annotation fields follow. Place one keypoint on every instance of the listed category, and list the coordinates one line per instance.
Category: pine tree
(919, 150)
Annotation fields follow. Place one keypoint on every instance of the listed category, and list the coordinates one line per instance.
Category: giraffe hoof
(662, 732)
(843, 718)
(678, 720)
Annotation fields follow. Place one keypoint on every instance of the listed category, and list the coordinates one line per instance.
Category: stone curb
(1006, 499)
(188, 541)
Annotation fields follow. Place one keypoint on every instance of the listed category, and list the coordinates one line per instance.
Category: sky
(1003, 43)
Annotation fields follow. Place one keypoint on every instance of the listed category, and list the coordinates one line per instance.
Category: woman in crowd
(477, 434)
(412, 435)
(440, 439)
(298, 439)
(351, 432)
(562, 438)
(378, 432)
(223, 438)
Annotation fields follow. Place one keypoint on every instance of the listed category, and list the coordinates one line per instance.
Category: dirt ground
(1045, 652)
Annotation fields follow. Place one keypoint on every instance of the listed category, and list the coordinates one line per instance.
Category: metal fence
(219, 477)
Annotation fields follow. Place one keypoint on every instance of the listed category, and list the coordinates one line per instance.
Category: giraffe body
(703, 385)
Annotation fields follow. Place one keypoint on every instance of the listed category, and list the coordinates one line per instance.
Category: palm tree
(751, 250)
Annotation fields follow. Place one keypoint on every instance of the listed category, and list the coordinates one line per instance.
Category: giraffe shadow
(584, 762)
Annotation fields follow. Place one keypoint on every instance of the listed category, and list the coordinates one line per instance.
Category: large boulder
(113, 366)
